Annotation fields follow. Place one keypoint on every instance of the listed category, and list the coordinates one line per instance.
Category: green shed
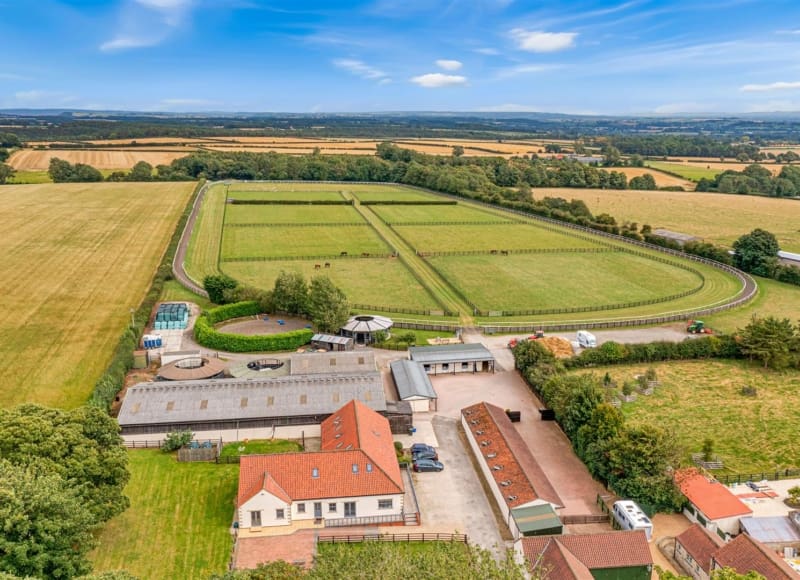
(537, 520)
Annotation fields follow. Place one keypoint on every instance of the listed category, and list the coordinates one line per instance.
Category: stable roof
(331, 339)
(538, 519)
(744, 554)
(595, 551)
(367, 323)
(450, 353)
(233, 399)
(771, 529)
(411, 380)
(709, 496)
(700, 545)
(340, 362)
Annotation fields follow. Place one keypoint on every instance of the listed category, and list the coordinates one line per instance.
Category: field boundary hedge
(234, 201)
(458, 223)
(295, 225)
(206, 335)
(113, 379)
(295, 258)
(401, 202)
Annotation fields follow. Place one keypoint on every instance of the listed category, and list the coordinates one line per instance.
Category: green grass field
(300, 241)
(291, 214)
(481, 237)
(594, 279)
(178, 523)
(248, 194)
(76, 258)
(690, 172)
(22, 176)
(174, 292)
(389, 192)
(260, 446)
(202, 255)
(372, 281)
(774, 299)
(715, 217)
(398, 214)
(702, 399)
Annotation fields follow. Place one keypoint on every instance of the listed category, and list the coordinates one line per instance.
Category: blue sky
(593, 57)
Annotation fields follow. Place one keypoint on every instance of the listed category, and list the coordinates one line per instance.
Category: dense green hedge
(407, 202)
(112, 380)
(235, 201)
(206, 335)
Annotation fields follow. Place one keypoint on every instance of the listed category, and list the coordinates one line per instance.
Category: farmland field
(774, 299)
(35, 159)
(662, 179)
(553, 276)
(715, 217)
(284, 195)
(178, 523)
(76, 258)
(749, 433)
(594, 279)
(690, 172)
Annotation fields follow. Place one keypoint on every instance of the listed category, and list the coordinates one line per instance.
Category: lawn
(202, 255)
(77, 257)
(178, 523)
(291, 214)
(174, 292)
(510, 236)
(260, 446)
(774, 299)
(702, 399)
(372, 281)
(243, 191)
(390, 192)
(690, 172)
(24, 176)
(537, 281)
(300, 241)
(716, 217)
(398, 214)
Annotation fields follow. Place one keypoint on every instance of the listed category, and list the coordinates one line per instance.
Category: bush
(176, 440)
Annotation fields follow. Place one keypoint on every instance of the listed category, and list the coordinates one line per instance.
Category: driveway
(453, 500)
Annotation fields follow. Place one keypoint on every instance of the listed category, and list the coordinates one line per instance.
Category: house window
(255, 519)
(332, 508)
(301, 508)
(279, 514)
(349, 509)
(384, 504)
(464, 366)
(445, 366)
(427, 368)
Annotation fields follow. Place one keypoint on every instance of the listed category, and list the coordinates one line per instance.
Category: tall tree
(142, 171)
(328, 307)
(45, 525)
(6, 173)
(770, 340)
(216, 286)
(290, 294)
(756, 252)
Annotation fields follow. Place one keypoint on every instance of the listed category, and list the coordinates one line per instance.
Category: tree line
(755, 180)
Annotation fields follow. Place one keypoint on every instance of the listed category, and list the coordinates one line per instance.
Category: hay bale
(560, 347)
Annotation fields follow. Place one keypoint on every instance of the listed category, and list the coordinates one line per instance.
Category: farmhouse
(522, 491)
(711, 503)
(453, 358)
(365, 329)
(290, 405)
(354, 480)
(588, 556)
(414, 385)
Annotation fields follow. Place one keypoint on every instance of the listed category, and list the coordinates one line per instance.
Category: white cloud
(774, 106)
(43, 98)
(361, 69)
(777, 86)
(686, 107)
(538, 41)
(449, 64)
(487, 51)
(438, 80)
(13, 77)
(524, 69)
(146, 23)
(125, 42)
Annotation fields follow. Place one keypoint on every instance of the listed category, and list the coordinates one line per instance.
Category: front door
(317, 509)
(349, 509)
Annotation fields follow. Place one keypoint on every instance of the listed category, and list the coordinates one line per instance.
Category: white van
(586, 339)
(630, 516)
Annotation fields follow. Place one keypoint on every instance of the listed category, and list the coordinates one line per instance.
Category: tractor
(697, 327)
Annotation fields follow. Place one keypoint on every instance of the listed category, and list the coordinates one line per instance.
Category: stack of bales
(172, 316)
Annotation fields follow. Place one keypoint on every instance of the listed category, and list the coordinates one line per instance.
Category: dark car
(419, 447)
(427, 465)
(425, 454)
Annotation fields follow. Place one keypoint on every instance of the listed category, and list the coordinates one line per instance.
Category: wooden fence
(764, 475)
(358, 538)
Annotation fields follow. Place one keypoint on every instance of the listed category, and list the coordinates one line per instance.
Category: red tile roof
(700, 544)
(528, 482)
(558, 562)
(596, 551)
(365, 464)
(709, 496)
(744, 554)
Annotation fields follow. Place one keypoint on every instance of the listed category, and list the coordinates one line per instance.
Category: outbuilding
(366, 329)
(331, 342)
(413, 385)
(453, 358)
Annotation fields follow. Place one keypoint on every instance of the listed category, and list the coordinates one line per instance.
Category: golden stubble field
(76, 258)
(39, 159)
(715, 217)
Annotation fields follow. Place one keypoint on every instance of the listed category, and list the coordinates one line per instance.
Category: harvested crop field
(662, 179)
(715, 217)
(76, 258)
(32, 159)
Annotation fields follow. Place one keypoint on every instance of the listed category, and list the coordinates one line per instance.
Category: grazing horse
(343, 254)
(493, 252)
(327, 264)
(504, 252)
(317, 266)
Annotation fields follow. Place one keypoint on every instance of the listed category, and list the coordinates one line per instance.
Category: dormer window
(315, 473)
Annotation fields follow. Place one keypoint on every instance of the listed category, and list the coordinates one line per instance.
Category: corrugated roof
(771, 529)
(744, 554)
(516, 472)
(339, 362)
(450, 353)
(225, 399)
(331, 338)
(711, 497)
(700, 545)
(368, 323)
(411, 380)
(596, 551)
(536, 518)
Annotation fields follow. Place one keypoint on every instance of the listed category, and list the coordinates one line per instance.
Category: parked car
(425, 454)
(427, 465)
(417, 447)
